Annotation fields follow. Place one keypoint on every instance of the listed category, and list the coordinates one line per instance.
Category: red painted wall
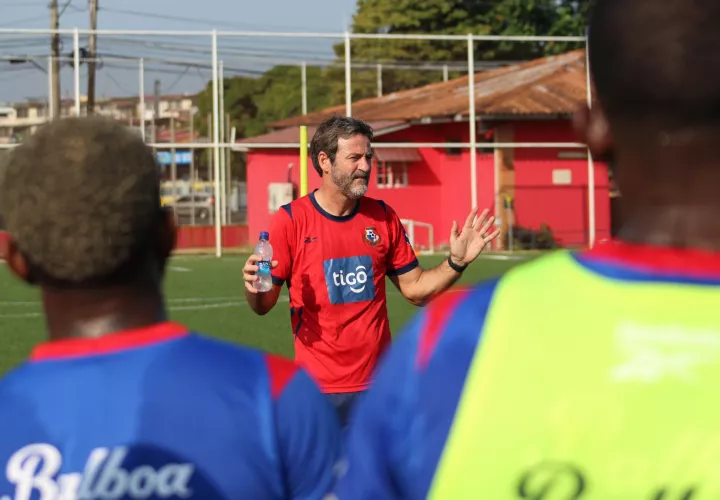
(564, 208)
(3, 244)
(192, 237)
(188, 237)
(439, 191)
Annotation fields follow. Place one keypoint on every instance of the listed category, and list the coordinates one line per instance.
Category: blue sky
(166, 56)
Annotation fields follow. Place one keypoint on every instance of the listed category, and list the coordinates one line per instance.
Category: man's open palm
(466, 245)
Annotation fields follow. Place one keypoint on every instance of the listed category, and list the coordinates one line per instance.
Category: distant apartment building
(19, 119)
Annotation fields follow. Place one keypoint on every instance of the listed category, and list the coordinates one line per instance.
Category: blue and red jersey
(400, 429)
(335, 270)
(161, 412)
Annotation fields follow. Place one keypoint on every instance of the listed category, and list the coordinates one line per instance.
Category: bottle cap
(264, 235)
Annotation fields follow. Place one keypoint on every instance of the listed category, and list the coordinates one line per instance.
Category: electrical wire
(62, 11)
(177, 80)
(22, 21)
(22, 4)
(195, 20)
(117, 84)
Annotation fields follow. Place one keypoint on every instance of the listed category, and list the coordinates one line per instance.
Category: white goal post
(410, 226)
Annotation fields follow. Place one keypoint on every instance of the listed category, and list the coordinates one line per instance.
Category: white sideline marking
(180, 269)
(503, 257)
(179, 299)
(200, 299)
(198, 307)
(18, 303)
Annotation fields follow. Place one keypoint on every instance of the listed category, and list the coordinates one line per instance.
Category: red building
(529, 102)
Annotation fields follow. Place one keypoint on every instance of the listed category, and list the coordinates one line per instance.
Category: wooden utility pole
(93, 56)
(156, 111)
(55, 64)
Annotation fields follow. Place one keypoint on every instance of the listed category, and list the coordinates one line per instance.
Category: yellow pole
(303, 160)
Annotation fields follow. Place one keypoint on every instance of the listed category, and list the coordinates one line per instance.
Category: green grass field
(206, 294)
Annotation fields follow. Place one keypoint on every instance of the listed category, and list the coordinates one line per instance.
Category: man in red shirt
(334, 248)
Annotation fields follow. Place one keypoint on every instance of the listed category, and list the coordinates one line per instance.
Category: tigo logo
(349, 279)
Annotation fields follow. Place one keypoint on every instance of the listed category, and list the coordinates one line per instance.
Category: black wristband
(455, 267)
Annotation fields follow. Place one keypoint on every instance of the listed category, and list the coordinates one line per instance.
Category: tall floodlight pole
(379, 80)
(141, 70)
(473, 124)
(303, 83)
(93, 57)
(216, 143)
(223, 156)
(591, 163)
(54, 69)
(51, 90)
(348, 77)
(76, 60)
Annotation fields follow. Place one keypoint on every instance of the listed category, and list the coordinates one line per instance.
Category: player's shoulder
(538, 272)
(296, 207)
(452, 321)
(17, 379)
(375, 207)
(224, 361)
(444, 334)
(368, 203)
(458, 317)
(427, 366)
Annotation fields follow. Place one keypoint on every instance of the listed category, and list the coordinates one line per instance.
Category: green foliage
(532, 239)
(484, 17)
(279, 93)
(255, 102)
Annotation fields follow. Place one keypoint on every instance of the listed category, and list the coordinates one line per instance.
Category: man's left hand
(465, 246)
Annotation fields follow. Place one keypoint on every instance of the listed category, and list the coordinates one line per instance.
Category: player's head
(81, 203)
(653, 65)
(342, 154)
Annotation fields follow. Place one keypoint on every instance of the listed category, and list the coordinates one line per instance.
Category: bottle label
(263, 267)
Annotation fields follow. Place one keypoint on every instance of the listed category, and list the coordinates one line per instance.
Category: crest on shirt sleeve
(371, 236)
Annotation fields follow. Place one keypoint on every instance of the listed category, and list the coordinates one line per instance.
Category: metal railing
(220, 138)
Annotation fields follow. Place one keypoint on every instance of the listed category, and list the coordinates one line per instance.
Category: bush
(532, 239)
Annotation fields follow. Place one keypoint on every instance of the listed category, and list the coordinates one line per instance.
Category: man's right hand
(250, 272)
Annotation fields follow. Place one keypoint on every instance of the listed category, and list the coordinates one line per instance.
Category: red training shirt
(335, 268)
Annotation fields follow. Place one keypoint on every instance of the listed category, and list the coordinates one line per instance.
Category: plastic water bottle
(264, 250)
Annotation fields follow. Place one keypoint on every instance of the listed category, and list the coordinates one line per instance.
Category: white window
(392, 174)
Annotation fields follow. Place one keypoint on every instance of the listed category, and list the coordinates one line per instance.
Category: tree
(254, 103)
(496, 17)
(572, 19)
(278, 93)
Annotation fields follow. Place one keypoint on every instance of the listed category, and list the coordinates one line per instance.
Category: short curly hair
(81, 200)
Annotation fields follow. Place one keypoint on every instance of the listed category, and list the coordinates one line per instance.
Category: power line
(23, 21)
(195, 20)
(118, 84)
(177, 80)
(67, 4)
(173, 46)
(29, 20)
(204, 79)
(262, 53)
(22, 4)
